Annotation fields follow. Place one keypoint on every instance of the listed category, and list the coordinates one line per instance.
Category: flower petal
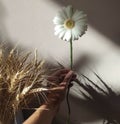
(57, 27)
(58, 20)
(57, 32)
(69, 11)
(61, 35)
(78, 15)
(62, 14)
(74, 31)
(67, 35)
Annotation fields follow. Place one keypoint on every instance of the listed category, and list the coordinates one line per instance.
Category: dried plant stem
(21, 78)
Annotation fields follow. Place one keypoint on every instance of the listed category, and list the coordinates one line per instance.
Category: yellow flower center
(69, 23)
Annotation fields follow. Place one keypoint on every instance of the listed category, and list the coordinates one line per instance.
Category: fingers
(63, 85)
(57, 89)
(58, 76)
(52, 78)
(69, 77)
(57, 94)
(61, 78)
(64, 78)
(62, 71)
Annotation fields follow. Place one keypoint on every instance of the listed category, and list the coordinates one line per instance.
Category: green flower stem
(71, 54)
(68, 104)
(67, 96)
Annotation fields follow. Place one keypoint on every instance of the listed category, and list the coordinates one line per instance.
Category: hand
(45, 113)
(57, 94)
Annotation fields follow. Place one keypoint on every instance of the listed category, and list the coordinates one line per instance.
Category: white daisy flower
(70, 24)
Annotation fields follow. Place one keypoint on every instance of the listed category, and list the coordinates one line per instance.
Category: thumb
(68, 77)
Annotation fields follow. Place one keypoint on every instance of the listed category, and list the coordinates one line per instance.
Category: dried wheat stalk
(20, 76)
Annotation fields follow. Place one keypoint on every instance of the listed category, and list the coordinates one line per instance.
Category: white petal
(57, 27)
(61, 35)
(67, 35)
(57, 32)
(83, 17)
(62, 14)
(81, 26)
(81, 22)
(58, 20)
(76, 33)
(78, 15)
(69, 11)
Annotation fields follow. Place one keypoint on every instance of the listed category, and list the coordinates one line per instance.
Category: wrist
(50, 108)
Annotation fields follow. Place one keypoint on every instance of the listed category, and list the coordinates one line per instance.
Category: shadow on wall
(5, 40)
(3, 31)
(103, 15)
(81, 112)
(4, 37)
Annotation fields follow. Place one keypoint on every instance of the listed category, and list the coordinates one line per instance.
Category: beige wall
(29, 23)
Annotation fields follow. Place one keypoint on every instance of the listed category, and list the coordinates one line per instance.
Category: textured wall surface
(29, 23)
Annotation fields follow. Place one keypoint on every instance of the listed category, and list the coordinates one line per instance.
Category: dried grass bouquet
(22, 78)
